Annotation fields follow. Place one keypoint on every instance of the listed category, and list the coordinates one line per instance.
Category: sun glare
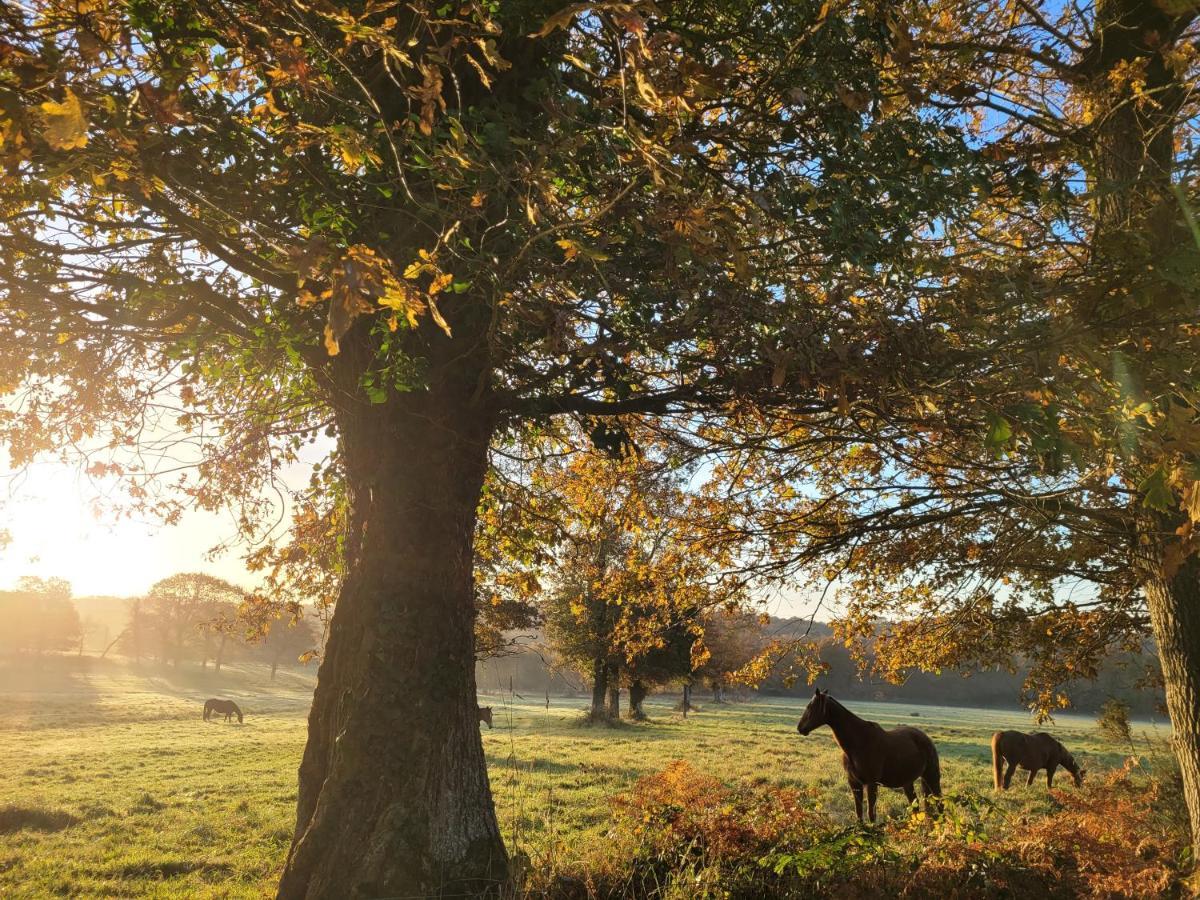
(61, 526)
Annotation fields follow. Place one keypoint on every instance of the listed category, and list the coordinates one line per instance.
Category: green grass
(113, 785)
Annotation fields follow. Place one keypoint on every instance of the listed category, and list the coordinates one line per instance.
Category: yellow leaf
(440, 283)
(66, 126)
(331, 344)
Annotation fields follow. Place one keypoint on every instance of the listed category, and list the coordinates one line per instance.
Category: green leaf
(1157, 494)
(999, 432)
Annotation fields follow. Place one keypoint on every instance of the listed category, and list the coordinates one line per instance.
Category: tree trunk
(1131, 169)
(220, 653)
(686, 703)
(599, 689)
(1174, 604)
(394, 797)
(637, 693)
(613, 710)
(274, 666)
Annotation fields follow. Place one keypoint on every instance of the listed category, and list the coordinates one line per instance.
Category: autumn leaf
(855, 101)
(561, 19)
(66, 126)
(440, 283)
(344, 307)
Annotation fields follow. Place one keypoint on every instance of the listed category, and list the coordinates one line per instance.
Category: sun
(61, 525)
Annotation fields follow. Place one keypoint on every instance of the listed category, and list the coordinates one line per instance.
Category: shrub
(1113, 720)
(681, 833)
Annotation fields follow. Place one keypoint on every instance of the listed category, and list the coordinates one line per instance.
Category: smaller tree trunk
(599, 689)
(220, 653)
(614, 696)
(686, 704)
(637, 693)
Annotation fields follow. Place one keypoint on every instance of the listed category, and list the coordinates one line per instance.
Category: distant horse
(872, 756)
(221, 706)
(1031, 752)
(485, 715)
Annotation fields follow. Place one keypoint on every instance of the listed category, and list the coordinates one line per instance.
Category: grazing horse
(1031, 752)
(485, 715)
(872, 756)
(221, 706)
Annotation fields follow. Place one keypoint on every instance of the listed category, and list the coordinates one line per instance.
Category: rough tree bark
(1131, 168)
(394, 796)
(613, 710)
(1173, 599)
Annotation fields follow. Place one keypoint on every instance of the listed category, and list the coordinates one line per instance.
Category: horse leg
(1029, 780)
(910, 792)
(1050, 776)
(872, 793)
(858, 792)
(1012, 767)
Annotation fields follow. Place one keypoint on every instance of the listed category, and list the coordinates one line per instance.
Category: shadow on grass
(27, 818)
(171, 868)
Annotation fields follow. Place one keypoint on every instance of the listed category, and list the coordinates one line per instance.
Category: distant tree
(39, 616)
(219, 629)
(618, 554)
(184, 610)
(287, 640)
(134, 640)
(731, 641)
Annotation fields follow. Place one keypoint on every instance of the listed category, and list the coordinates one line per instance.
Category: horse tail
(997, 761)
(931, 779)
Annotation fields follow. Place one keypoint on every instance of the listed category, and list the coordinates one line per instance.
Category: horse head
(1073, 767)
(816, 713)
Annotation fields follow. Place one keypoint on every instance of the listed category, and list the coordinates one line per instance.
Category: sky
(59, 530)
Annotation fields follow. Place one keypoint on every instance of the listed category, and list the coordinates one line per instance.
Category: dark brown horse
(221, 706)
(485, 715)
(1032, 752)
(872, 756)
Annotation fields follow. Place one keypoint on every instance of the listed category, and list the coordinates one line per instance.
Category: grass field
(113, 786)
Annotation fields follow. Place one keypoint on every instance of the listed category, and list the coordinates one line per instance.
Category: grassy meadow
(113, 785)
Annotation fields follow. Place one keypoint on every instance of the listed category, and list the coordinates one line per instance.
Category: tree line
(187, 618)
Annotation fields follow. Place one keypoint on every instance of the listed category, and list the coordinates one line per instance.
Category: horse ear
(816, 691)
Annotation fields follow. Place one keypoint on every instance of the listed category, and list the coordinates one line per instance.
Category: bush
(1113, 720)
(681, 833)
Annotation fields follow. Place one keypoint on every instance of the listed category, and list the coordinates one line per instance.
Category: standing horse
(1031, 752)
(221, 706)
(485, 715)
(872, 756)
